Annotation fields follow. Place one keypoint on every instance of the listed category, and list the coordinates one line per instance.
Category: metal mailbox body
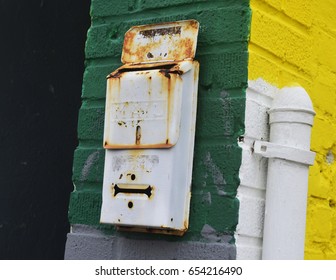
(149, 130)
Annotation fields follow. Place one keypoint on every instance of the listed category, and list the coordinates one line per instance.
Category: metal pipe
(291, 119)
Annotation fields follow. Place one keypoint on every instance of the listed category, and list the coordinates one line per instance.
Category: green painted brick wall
(222, 53)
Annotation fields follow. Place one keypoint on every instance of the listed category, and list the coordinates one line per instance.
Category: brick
(223, 71)
(220, 116)
(260, 66)
(326, 99)
(251, 216)
(325, 130)
(217, 165)
(324, 14)
(326, 54)
(94, 81)
(286, 42)
(104, 41)
(91, 123)
(222, 25)
(107, 39)
(274, 3)
(319, 223)
(154, 4)
(299, 10)
(88, 165)
(222, 214)
(85, 207)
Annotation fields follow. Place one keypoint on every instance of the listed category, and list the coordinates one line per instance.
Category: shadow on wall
(42, 64)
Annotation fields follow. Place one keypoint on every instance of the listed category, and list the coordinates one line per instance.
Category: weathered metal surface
(174, 41)
(143, 108)
(149, 131)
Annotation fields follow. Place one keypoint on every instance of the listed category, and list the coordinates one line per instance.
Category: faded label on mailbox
(160, 42)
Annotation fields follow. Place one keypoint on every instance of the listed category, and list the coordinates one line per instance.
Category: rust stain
(175, 30)
(188, 46)
(165, 73)
(128, 40)
(140, 146)
(185, 224)
(157, 42)
(137, 135)
(162, 230)
(120, 123)
(150, 55)
(116, 74)
(143, 67)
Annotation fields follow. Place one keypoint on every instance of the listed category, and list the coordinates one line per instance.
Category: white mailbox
(149, 129)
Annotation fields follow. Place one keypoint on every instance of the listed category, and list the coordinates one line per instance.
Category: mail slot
(149, 130)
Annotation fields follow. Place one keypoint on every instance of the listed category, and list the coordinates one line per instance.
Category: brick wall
(222, 53)
(294, 41)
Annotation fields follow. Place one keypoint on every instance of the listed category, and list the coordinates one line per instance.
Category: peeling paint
(330, 157)
(207, 198)
(210, 234)
(216, 173)
(90, 161)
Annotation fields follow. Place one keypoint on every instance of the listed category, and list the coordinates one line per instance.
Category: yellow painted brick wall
(294, 41)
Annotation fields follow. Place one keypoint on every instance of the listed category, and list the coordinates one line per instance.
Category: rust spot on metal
(117, 74)
(166, 41)
(165, 72)
(161, 31)
(150, 55)
(162, 230)
(141, 146)
(138, 135)
(186, 224)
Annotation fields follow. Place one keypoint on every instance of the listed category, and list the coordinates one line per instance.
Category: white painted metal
(143, 109)
(149, 139)
(291, 118)
(271, 150)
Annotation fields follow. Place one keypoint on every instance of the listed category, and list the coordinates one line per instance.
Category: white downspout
(291, 119)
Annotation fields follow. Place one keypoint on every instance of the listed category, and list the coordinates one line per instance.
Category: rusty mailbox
(149, 129)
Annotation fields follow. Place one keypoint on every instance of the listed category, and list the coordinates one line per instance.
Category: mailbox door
(147, 182)
(143, 109)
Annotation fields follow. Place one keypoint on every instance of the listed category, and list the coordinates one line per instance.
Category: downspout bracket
(272, 150)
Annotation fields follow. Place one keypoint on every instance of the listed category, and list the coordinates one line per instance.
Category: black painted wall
(41, 69)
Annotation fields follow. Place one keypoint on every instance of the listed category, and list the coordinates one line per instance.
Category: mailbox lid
(144, 106)
(172, 41)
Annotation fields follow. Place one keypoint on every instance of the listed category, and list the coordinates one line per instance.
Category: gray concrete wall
(88, 243)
